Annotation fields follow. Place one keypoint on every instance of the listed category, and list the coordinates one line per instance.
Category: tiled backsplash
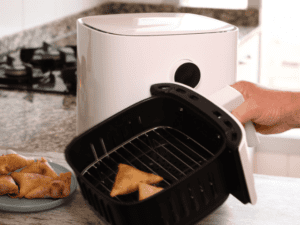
(56, 30)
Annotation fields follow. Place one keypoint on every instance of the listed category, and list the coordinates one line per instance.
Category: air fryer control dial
(188, 74)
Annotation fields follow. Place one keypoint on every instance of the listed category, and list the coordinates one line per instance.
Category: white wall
(17, 15)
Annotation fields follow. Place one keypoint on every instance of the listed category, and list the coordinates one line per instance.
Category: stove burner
(68, 56)
(47, 81)
(18, 70)
(6, 60)
(45, 69)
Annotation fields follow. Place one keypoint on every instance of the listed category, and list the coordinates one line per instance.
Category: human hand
(271, 111)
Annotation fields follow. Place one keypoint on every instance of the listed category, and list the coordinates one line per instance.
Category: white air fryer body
(120, 56)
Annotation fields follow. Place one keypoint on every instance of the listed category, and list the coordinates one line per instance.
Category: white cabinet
(248, 60)
(294, 166)
(280, 64)
(280, 45)
(278, 154)
(275, 164)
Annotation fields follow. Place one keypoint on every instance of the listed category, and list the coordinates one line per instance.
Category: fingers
(246, 111)
(278, 128)
(247, 89)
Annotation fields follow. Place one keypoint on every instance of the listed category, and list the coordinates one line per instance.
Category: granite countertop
(67, 26)
(245, 33)
(277, 203)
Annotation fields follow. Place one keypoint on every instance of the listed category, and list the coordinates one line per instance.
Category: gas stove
(45, 69)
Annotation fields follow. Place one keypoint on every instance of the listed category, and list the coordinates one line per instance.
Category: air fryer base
(195, 221)
(190, 194)
(207, 202)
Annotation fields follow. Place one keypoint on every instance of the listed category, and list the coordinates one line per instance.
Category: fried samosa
(128, 179)
(58, 188)
(12, 162)
(8, 185)
(40, 167)
(34, 185)
(146, 191)
(29, 181)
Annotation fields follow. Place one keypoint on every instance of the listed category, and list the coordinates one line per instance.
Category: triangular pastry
(9, 151)
(146, 191)
(8, 185)
(58, 188)
(48, 188)
(40, 167)
(61, 187)
(39, 192)
(128, 179)
(12, 162)
(29, 181)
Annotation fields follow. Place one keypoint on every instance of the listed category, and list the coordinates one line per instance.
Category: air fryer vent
(162, 151)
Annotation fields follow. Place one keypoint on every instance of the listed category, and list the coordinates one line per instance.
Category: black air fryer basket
(176, 134)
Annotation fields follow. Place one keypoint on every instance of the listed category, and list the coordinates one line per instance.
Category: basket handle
(231, 100)
(207, 108)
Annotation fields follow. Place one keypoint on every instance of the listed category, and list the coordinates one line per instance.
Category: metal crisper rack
(163, 149)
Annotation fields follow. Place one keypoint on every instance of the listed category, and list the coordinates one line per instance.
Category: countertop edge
(249, 35)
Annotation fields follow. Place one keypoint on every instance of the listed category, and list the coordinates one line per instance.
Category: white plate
(35, 205)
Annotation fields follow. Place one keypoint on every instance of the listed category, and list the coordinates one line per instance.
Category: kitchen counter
(245, 33)
(278, 203)
(34, 37)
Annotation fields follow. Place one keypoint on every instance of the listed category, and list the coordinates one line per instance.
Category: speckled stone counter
(34, 122)
(67, 26)
(277, 204)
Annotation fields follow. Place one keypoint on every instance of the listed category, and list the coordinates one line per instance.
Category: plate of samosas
(31, 185)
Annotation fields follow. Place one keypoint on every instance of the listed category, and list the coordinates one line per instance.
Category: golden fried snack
(61, 186)
(8, 185)
(66, 178)
(55, 189)
(12, 162)
(128, 179)
(47, 188)
(59, 189)
(39, 192)
(29, 181)
(40, 167)
(146, 191)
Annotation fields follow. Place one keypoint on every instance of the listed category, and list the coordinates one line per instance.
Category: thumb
(245, 112)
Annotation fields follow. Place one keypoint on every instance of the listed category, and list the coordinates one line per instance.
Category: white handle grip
(252, 139)
(230, 98)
